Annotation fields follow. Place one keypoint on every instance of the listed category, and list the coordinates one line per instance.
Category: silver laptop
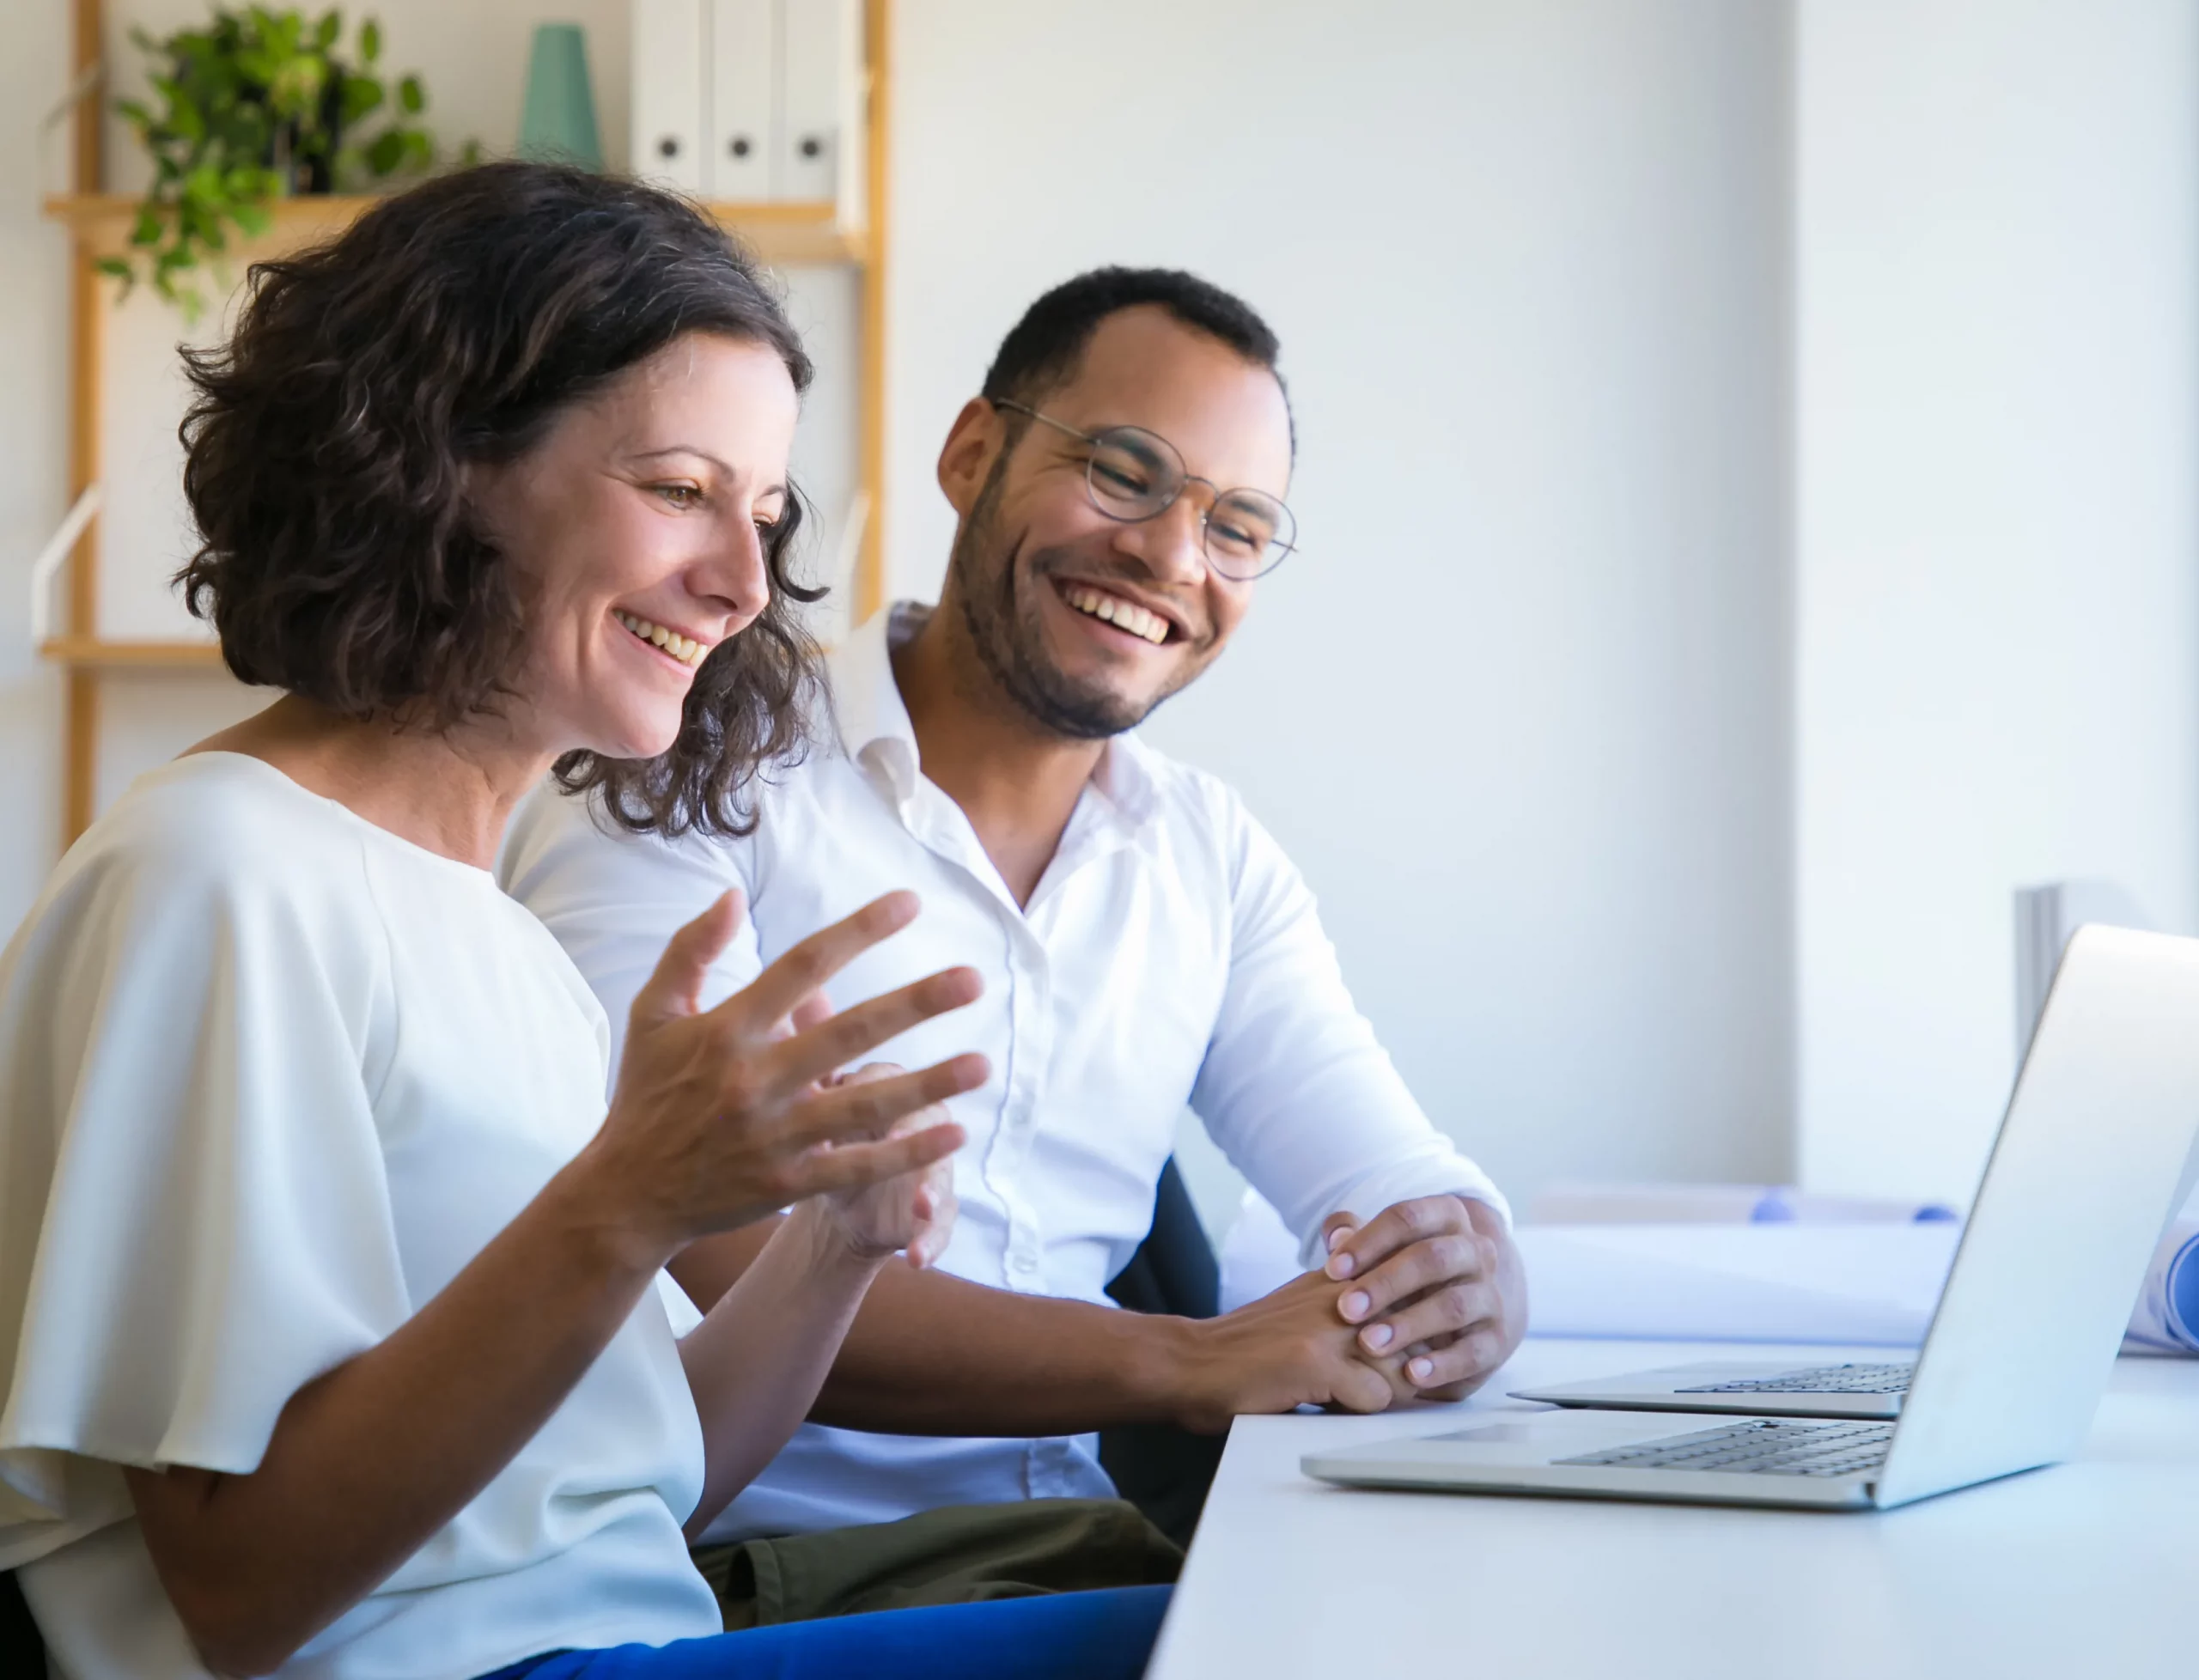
(2088, 1168)
(1856, 1389)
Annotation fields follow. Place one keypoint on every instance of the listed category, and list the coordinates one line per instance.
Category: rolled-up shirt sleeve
(1295, 1089)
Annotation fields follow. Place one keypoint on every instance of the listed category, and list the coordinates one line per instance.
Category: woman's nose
(738, 573)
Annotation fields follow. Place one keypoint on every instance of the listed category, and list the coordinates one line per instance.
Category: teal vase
(557, 124)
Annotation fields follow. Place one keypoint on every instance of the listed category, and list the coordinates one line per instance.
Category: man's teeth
(680, 648)
(1121, 614)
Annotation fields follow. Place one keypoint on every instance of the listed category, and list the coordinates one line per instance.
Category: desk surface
(2086, 1568)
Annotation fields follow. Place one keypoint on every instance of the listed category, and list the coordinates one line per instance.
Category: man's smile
(1118, 611)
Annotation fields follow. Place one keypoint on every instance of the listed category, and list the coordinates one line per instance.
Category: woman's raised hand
(721, 1116)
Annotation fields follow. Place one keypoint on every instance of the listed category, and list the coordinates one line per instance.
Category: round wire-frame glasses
(1131, 474)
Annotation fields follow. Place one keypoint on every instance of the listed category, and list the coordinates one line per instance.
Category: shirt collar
(866, 710)
(874, 731)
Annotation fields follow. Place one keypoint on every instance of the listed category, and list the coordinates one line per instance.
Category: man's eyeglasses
(1132, 474)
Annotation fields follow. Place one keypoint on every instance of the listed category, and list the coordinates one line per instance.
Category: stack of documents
(1753, 1283)
(1722, 1204)
(1870, 1284)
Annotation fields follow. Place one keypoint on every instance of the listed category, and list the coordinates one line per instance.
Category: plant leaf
(370, 40)
(387, 152)
(412, 95)
(361, 93)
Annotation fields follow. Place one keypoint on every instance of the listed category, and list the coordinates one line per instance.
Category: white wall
(1998, 419)
(1519, 709)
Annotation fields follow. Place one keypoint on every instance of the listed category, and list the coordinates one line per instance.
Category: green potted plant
(255, 105)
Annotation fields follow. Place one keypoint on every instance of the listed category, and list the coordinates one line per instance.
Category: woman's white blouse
(270, 1077)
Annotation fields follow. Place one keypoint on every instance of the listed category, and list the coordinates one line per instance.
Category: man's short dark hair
(326, 446)
(1044, 351)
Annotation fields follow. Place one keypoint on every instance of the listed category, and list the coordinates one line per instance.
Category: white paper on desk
(1867, 1284)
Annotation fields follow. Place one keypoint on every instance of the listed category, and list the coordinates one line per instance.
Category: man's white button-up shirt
(1170, 955)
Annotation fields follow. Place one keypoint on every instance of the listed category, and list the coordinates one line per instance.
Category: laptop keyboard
(1821, 1379)
(1758, 1446)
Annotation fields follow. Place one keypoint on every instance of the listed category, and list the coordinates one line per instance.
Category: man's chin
(1095, 715)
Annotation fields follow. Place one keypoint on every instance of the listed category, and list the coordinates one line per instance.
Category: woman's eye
(680, 495)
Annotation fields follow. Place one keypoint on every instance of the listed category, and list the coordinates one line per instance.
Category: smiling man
(1120, 487)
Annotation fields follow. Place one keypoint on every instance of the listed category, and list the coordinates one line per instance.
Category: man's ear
(967, 455)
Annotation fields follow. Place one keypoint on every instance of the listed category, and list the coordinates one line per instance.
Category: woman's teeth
(1121, 614)
(680, 648)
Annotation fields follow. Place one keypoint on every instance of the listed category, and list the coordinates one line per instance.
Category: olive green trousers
(957, 1554)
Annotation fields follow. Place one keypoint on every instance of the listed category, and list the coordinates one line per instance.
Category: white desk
(2086, 1569)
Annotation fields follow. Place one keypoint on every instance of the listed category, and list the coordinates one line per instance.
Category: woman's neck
(449, 793)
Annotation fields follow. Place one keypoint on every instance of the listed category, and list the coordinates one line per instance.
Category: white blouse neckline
(343, 811)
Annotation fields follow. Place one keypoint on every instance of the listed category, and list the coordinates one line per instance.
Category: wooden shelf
(803, 231)
(86, 653)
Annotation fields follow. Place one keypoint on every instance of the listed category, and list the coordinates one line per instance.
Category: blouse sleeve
(194, 1207)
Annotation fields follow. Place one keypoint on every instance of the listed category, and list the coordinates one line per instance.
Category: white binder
(670, 73)
(744, 128)
(821, 68)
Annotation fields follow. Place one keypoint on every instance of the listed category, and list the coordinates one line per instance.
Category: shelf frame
(99, 224)
(778, 234)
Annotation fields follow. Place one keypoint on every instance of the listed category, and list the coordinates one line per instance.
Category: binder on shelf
(820, 57)
(743, 99)
(671, 72)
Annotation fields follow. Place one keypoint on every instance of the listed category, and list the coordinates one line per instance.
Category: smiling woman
(334, 1332)
(508, 319)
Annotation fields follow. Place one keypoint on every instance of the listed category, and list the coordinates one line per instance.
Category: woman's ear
(967, 455)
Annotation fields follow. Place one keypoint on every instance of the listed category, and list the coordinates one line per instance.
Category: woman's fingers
(855, 1111)
(775, 994)
(750, 1093)
(852, 1166)
(812, 1011)
(937, 1209)
(675, 987)
(811, 1055)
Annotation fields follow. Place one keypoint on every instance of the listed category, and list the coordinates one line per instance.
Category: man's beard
(1011, 638)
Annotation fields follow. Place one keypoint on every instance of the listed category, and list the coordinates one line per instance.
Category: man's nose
(1173, 543)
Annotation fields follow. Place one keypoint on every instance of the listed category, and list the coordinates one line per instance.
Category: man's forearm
(930, 1353)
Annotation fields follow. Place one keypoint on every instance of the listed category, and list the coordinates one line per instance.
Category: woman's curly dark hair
(325, 451)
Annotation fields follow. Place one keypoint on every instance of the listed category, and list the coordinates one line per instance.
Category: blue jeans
(1104, 1635)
